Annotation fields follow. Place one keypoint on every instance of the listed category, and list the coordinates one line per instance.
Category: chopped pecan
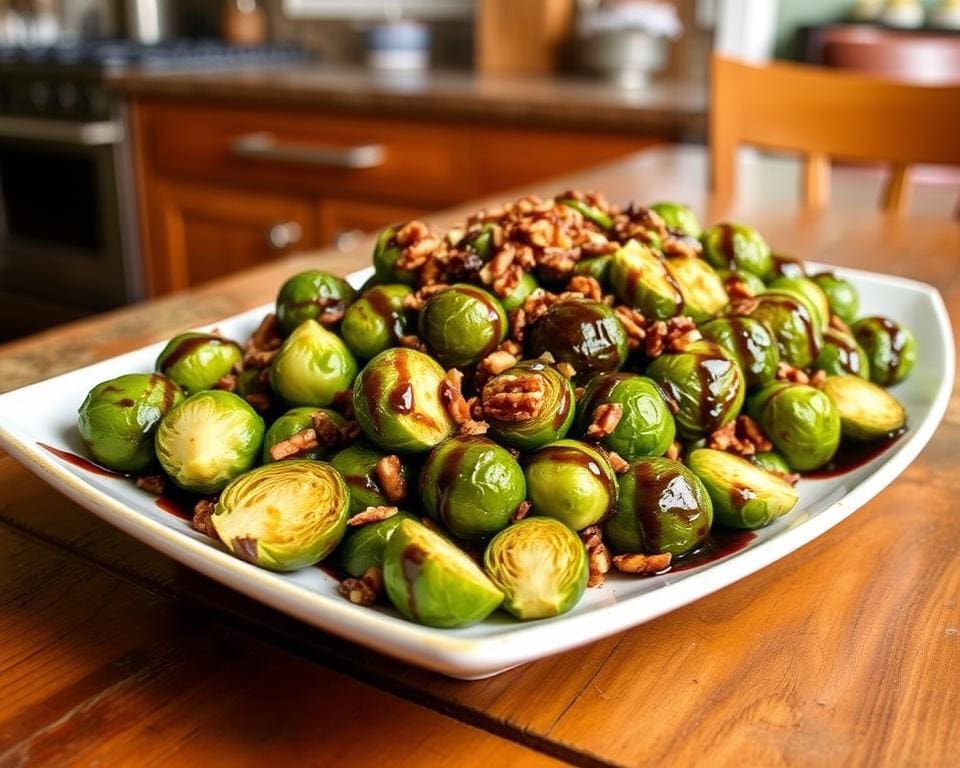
(258, 358)
(598, 555)
(817, 378)
(743, 307)
(566, 369)
(742, 437)
(589, 287)
(675, 451)
(372, 515)
(298, 443)
(578, 393)
(389, 474)
(604, 420)
(412, 341)
(750, 430)
(655, 340)
(326, 430)
(518, 325)
(786, 372)
(639, 223)
(475, 406)
(676, 244)
(497, 362)
(737, 288)
(227, 383)
(151, 484)
(556, 263)
(202, 512)
(619, 464)
(537, 303)
(365, 590)
(642, 565)
(267, 335)
(511, 348)
(416, 300)
(513, 397)
(418, 244)
(473, 427)
(343, 402)
(523, 508)
(451, 395)
(632, 321)
(261, 401)
(680, 332)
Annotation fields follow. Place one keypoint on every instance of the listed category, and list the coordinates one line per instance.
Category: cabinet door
(200, 233)
(344, 222)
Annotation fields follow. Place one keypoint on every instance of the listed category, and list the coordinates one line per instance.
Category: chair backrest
(825, 113)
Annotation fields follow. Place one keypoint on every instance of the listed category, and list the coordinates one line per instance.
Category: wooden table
(847, 652)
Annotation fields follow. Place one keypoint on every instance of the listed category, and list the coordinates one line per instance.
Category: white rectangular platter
(45, 413)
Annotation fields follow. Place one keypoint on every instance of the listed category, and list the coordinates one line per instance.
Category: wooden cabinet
(341, 221)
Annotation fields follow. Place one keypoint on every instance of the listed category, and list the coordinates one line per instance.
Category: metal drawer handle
(264, 146)
(94, 134)
(284, 234)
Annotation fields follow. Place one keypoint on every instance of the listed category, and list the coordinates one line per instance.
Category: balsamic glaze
(186, 346)
(79, 461)
(853, 455)
(721, 544)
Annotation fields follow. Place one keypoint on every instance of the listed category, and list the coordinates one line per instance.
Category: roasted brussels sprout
(678, 218)
(646, 426)
(704, 382)
(786, 266)
(801, 421)
(208, 440)
(743, 495)
(771, 461)
(462, 324)
(386, 254)
(662, 507)
(311, 366)
(737, 246)
(479, 243)
(806, 289)
(472, 485)
(431, 581)
(376, 320)
(794, 327)
(867, 411)
(572, 482)
(589, 212)
(843, 297)
(197, 361)
(751, 344)
(397, 400)
(841, 354)
(118, 418)
(516, 297)
(597, 267)
(362, 548)
(357, 464)
(584, 333)
(283, 516)
(540, 565)
(700, 286)
(736, 281)
(639, 277)
(890, 347)
(289, 424)
(312, 295)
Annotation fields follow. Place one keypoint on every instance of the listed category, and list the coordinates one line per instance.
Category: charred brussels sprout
(376, 320)
(663, 507)
(472, 485)
(806, 289)
(516, 297)
(357, 464)
(571, 482)
(540, 565)
(678, 218)
(751, 344)
(743, 495)
(867, 411)
(704, 382)
(890, 347)
(386, 254)
(547, 419)
(737, 246)
(793, 325)
(738, 282)
(646, 426)
(431, 581)
(590, 212)
(208, 440)
(312, 295)
(581, 332)
(843, 297)
(841, 354)
(462, 324)
(801, 421)
(311, 366)
(292, 422)
(397, 400)
(197, 361)
(701, 288)
(118, 418)
(597, 267)
(362, 548)
(639, 277)
(283, 516)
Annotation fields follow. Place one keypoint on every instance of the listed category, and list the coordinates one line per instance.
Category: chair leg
(896, 194)
(816, 180)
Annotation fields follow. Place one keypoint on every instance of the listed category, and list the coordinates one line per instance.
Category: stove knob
(67, 96)
(39, 95)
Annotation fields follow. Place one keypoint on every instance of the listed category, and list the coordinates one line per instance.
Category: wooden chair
(824, 113)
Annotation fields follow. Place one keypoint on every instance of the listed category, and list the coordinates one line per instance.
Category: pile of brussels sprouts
(588, 438)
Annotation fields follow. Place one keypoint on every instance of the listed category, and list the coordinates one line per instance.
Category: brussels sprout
(386, 253)
(550, 419)
(397, 400)
(312, 295)
(376, 320)
(737, 246)
(867, 411)
(472, 485)
(208, 440)
(462, 324)
(540, 565)
(701, 288)
(197, 361)
(793, 325)
(841, 354)
(430, 581)
(743, 495)
(516, 297)
(584, 333)
(639, 277)
(572, 482)
(312, 366)
(891, 349)
(678, 218)
(801, 421)
(804, 288)
(362, 548)
(357, 464)
(786, 266)
(294, 421)
(118, 418)
(704, 382)
(736, 280)
(663, 507)
(479, 243)
(771, 461)
(590, 212)
(751, 344)
(843, 297)
(646, 427)
(283, 516)
(597, 267)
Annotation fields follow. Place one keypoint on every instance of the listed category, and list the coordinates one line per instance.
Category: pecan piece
(202, 513)
(451, 395)
(787, 372)
(597, 554)
(497, 362)
(604, 420)
(523, 508)
(365, 590)
(389, 474)
(751, 431)
(473, 427)
(327, 431)
(642, 565)
(587, 286)
(151, 484)
(372, 515)
(632, 321)
(513, 397)
(296, 444)
(619, 464)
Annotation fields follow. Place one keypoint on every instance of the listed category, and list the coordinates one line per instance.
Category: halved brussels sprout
(386, 253)
(867, 411)
(804, 288)
(701, 288)
(197, 361)
(663, 507)
(357, 465)
(290, 423)
(118, 418)
(793, 325)
(841, 354)
(771, 461)
(312, 366)
(312, 295)
(704, 382)
(462, 324)
(376, 320)
(540, 565)
(639, 277)
(431, 581)
(550, 419)
(800, 420)
(397, 400)
(736, 280)
(737, 246)
(572, 482)
(786, 266)
(362, 548)
(751, 344)
(891, 349)
(516, 297)
(843, 297)
(208, 440)
(597, 267)
(283, 516)
(472, 485)
(646, 427)
(743, 495)
(590, 212)
(678, 218)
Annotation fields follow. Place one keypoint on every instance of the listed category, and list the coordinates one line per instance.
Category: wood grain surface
(846, 652)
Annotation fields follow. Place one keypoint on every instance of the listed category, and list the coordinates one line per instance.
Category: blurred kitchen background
(150, 145)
